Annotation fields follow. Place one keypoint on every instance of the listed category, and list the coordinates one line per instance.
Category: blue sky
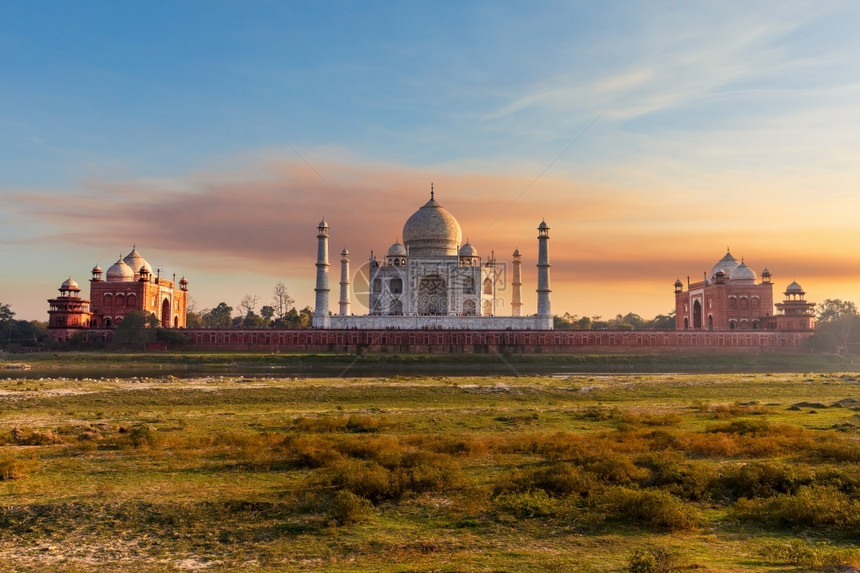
(651, 135)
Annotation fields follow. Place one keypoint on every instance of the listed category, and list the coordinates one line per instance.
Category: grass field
(698, 472)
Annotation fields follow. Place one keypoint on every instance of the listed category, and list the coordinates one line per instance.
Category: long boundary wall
(475, 341)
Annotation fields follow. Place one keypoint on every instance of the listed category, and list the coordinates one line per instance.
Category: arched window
(395, 286)
(755, 302)
(469, 285)
(488, 286)
(743, 303)
(108, 299)
(733, 303)
(470, 308)
(733, 325)
(131, 301)
(120, 300)
(377, 286)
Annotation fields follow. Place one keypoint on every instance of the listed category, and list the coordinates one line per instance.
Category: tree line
(280, 313)
(629, 321)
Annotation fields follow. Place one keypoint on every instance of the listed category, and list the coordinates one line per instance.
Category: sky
(214, 136)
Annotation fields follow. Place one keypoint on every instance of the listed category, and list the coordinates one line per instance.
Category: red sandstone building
(732, 298)
(129, 285)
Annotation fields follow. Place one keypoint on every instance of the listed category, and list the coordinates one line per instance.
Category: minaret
(543, 290)
(321, 317)
(516, 294)
(344, 283)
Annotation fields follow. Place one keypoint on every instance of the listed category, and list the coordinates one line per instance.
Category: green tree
(838, 326)
(834, 309)
(136, 329)
(267, 312)
(219, 317)
(6, 320)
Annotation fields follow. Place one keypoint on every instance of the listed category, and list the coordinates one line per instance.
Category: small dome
(322, 225)
(120, 272)
(765, 273)
(136, 262)
(727, 264)
(516, 252)
(344, 253)
(183, 281)
(742, 272)
(468, 250)
(69, 284)
(678, 283)
(97, 270)
(794, 288)
(432, 231)
(397, 250)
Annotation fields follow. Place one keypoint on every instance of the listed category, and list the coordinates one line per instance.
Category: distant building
(732, 298)
(432, 280)
(129, 285)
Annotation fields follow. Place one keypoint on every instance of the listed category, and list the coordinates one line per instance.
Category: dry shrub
(365, 424)
(346, 508)
(386, 450)
(28, 437)
(649, 508)
(319, 424)
(654, 560)
(312, 451)
(678, 476)
(799, 553)
(12, 468)
(415, 473)
(764, 479)
(723, 411)
(812, 506)
(556, 479)
(461, 446)
(711, 445)
(527, 504)
(836, 449)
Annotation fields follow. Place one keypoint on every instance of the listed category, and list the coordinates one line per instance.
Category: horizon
(214, 137)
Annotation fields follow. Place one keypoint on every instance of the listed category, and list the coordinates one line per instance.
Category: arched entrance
(165, 313)
(697, 314)
(710, 322)
(432, 295)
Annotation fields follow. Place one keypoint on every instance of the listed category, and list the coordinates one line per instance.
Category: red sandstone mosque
(129, 285)
(732, 298)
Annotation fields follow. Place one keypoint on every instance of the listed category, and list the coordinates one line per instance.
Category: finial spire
(431, 190)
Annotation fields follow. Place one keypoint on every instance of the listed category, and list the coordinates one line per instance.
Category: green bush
(653, 560)
(527, 504)
(12, 468)
(812, 506)
(649, 508)
(802, 554)
(764, 479)
(555, 479)
(346, 508)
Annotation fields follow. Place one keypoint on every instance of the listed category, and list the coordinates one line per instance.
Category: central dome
(432, 231)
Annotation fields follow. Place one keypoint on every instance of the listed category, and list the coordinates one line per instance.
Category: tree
(838, 326)
(6, 319)
(193, 319)
(248, 304)
(282, 302)
(219, 317)
(136, 329)
(267, 312)
(834, 309)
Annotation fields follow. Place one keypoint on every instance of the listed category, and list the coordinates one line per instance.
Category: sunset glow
(650, 137)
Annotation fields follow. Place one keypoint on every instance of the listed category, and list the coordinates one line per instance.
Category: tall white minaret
(543, 290)
(344, 283)
(517, 291)
(321, 317)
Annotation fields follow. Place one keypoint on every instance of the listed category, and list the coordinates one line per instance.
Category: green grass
(706, 472)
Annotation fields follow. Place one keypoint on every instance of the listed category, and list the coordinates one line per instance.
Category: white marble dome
(468, 250)
(69, 284)
(727, 264)
(136, 262)
(432, 231)
(743, 272)
(120, 272)
(397, 250)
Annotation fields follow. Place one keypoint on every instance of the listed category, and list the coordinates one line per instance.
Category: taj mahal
(432, 280)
